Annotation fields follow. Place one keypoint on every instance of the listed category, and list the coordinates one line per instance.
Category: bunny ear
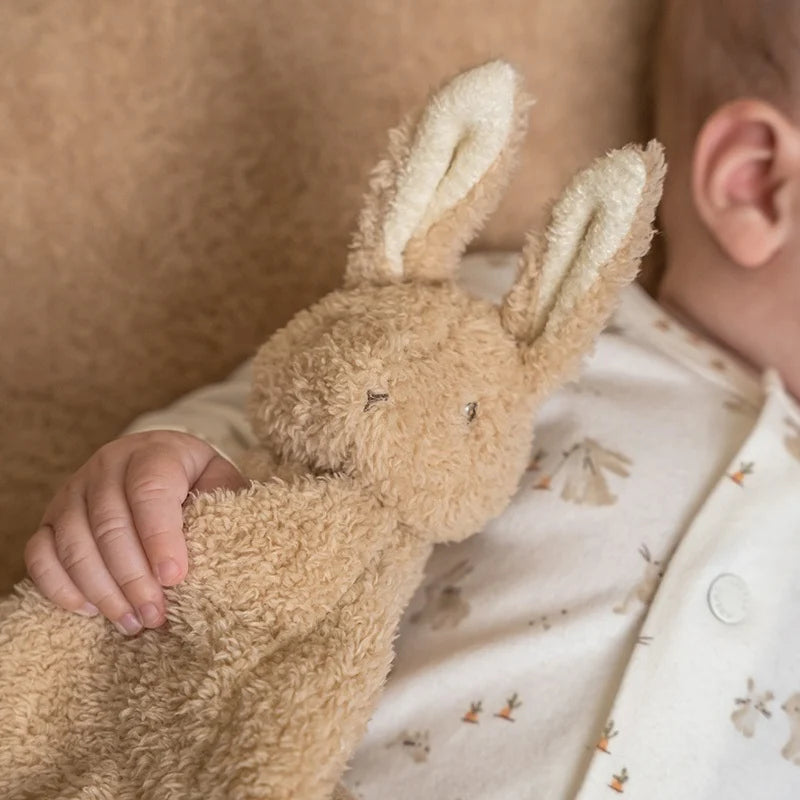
(570, 276)
(444, 173)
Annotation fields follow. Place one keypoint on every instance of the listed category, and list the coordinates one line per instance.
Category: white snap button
(728, 598)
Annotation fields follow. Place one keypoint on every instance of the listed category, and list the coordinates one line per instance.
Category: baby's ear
(570, 276)
(444, 174)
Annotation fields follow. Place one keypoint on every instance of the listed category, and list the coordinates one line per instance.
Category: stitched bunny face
(415, 390)
(404, 384)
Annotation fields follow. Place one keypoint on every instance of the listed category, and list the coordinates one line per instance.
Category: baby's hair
(713, 51)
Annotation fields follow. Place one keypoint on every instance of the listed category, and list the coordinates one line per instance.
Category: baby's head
(728, 111)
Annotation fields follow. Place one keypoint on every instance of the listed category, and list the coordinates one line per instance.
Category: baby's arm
(214, 413)
(113, 534)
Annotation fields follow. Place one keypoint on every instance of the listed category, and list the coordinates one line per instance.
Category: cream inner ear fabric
(461, 133)
(589, 225)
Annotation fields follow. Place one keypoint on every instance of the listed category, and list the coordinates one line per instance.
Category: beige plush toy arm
(571, 275)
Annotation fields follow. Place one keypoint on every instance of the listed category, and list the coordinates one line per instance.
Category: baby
(629, 623)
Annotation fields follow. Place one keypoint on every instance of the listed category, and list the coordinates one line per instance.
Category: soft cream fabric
(180, 177)
(638, 598)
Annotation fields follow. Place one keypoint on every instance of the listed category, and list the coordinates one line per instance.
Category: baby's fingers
(156, 485)
(119, 546)
(50, 577)
(78, 555)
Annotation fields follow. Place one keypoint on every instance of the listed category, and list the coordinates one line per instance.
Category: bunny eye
(375, 397)
(470, 411)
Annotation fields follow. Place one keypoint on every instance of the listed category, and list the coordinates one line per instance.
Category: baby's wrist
(170, 428)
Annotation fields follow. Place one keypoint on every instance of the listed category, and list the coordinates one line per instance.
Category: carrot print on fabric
(472, 715)
(512, 703)
(619, 780)
(609, 732)
(745, 468)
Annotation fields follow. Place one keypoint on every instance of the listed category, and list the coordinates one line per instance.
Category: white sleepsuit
(631, 624)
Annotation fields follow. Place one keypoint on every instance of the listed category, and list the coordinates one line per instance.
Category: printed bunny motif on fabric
(791, 750)
(750, 708)
(416, 744)
(583, 466)
(445, 605)
(585, 482)
(645, 590)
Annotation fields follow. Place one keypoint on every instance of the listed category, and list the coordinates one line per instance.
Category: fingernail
(150, 615)
(167, 572)
(88, 610)
(128, 624)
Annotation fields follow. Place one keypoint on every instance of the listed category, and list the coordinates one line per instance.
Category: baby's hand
(113, 534)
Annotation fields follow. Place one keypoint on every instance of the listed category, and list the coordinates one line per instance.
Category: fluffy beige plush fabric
(178, 178)
(400, 413)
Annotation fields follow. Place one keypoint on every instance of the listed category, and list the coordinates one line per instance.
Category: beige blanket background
(177, 178)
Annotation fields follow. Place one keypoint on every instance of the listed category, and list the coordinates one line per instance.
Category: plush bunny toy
(398, 412)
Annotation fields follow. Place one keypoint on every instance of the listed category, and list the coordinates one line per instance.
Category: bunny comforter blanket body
(394, 414)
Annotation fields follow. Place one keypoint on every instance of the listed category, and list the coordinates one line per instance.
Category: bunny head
(401, 382)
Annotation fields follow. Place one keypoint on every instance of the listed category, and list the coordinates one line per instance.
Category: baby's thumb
(219, 474)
